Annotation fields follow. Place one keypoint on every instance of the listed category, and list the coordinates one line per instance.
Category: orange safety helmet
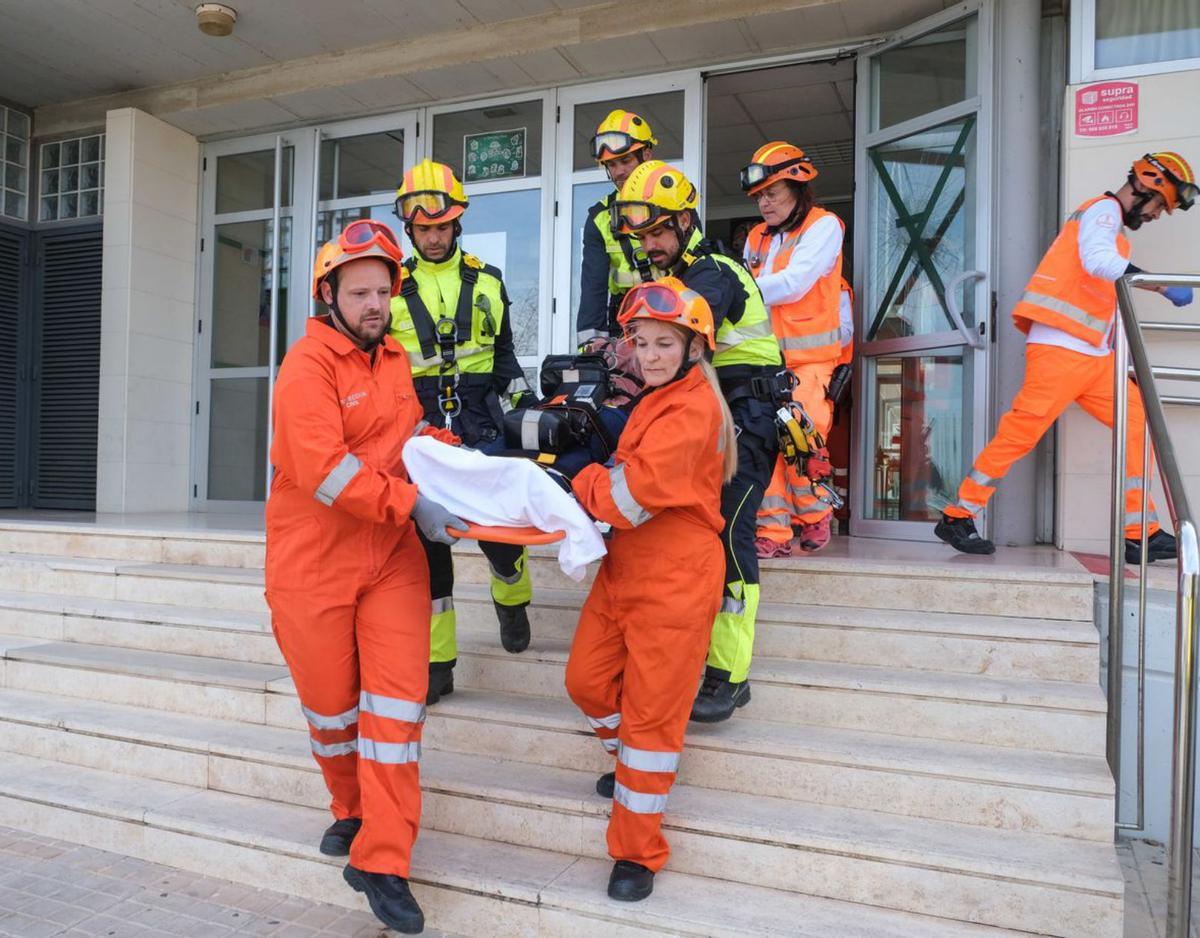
(772, 162)
(1169, 175)
(360, 239)
(668, 300)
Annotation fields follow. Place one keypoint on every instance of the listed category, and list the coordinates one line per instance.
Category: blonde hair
(727, 438)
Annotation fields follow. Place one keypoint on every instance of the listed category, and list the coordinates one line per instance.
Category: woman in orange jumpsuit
(643, 632)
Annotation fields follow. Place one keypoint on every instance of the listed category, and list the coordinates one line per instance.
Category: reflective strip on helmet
(982, 478)
(647, 760)
(329, 750)
(610, 722)
(337, 480)
(529, 429)
(339, 721)
(634, 513)
(388, 753)
(392, 708)
(1072, 312)
(610, 745)
(444, 604)
(639, 802)
(1135, 517)
(800, 343)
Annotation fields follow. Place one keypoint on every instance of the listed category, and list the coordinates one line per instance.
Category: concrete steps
(920, 866)
(465, 884)
(923, 754)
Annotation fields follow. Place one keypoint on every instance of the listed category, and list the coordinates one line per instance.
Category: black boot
(718, 697)
(1159, 546)
(335, 842)
(960, 534)
(606, 784)
(441, 683)
(630, 882)
(390, 898)
(514, 627)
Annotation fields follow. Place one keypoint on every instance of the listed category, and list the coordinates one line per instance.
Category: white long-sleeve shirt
(845, 319)
(811, 259)
(1099, 227)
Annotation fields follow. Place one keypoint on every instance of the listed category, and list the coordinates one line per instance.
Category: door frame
(981, 104)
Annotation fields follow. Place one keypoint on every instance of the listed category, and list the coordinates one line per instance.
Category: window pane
(237, 431)
(68, 179)
(18, 124)
(242, 293)
(89, 149)
(504, 229)
(920, 418)
(663, 112)
(89, 176)
(70, 152)
(15, 151)
(14, 205)
(354, 166)
(50, 182)
(1137, 33)
(49, 209)
(583, 197)
(14, 177)
(931, 72)
(488, 125)
(89, 203)
(68, 206)
(245, 181)
(50, 155)
(921, 226)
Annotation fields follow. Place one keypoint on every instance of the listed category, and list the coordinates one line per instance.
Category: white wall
(147, 314)
(1169, 120)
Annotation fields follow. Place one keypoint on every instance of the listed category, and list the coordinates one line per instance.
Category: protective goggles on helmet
(757, 173)
(1185, 192)
(361, 235)
(431, 203)
(674, 304)
(614, 143)
(632, 217)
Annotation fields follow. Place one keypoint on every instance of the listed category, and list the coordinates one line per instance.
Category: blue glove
(1180, 296)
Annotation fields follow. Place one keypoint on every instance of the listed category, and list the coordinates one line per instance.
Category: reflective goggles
(1185, 192)
(656, 300)
(615, 143)
(360, 235)
(631, 217)
(757, 173)
(431, 203)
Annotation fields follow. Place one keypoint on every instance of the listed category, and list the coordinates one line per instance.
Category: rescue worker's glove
(433, 520)
(1179, 296)
(442, 435)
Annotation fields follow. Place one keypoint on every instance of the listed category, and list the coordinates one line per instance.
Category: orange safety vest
(807, 328)
(1062, 294)
(847, 353)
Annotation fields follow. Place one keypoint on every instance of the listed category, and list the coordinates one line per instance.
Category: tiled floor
(48, 887)
(1145, 865)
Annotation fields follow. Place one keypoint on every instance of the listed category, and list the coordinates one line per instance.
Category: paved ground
(1144, 863)
(48, 887)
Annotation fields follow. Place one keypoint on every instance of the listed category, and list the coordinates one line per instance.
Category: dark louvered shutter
(10, 321)
(68, 381)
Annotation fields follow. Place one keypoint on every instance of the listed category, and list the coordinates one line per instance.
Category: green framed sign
(497, 154)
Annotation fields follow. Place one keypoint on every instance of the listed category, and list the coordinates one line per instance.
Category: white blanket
(499, 490)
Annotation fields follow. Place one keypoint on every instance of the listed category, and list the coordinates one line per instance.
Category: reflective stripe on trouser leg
(732, 644)
(509, 567)
(775, 512)
(806, 508)
(605, 727)
(443, 631)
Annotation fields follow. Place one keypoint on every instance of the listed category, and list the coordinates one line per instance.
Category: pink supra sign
(1106, 109)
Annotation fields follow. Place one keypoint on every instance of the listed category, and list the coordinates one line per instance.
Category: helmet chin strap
(1132, 216)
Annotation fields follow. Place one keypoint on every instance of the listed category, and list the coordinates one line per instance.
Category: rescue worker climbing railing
(1128, 346)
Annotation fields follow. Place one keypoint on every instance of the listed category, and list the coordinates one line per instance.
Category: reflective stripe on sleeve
(388, 753)
(982, 478)
(392, 708)
(339, 721)
(639, 802)
(337, 480)
(610, 722)
(329, 750)
(634, 513)
(648, 760)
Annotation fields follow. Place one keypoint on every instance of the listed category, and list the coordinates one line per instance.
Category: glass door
(675, 115)
(923, 258)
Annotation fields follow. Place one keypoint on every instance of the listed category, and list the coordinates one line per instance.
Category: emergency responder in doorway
(346, 578)
(1068, 313)
(612, 261)
(452, 317)
(645, 625)
(795, 254)
(658, 204)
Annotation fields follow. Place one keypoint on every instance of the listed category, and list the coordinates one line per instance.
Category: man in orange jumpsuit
(346, 576)
(644, 629)
(1068, 313)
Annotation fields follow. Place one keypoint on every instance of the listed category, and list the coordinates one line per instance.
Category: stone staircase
(924, 754)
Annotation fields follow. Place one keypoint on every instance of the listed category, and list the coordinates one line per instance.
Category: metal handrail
(1128, 345)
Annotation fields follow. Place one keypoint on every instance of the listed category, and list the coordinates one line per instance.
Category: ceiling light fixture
(215, 19)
